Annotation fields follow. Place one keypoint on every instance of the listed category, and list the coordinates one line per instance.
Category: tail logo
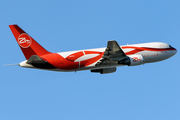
(24, 40)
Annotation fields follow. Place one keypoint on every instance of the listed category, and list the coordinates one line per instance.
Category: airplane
(99, 60)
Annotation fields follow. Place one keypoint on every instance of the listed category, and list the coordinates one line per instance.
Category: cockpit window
(170, 46)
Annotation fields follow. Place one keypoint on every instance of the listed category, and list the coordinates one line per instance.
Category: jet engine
(132, 60)
(105, 70)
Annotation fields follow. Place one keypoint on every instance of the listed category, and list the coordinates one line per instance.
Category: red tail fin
(27, 44)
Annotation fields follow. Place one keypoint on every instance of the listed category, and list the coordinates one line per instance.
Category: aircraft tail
(27, 44)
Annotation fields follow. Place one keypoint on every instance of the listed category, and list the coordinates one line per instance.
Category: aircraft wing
(113, 53)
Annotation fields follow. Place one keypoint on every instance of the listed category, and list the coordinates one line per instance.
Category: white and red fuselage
(88, 59)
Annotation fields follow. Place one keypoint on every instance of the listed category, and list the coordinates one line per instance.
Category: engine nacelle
(136, 60)
(133, 60)
(105, 70)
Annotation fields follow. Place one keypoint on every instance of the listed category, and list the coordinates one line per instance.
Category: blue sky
(146, 92)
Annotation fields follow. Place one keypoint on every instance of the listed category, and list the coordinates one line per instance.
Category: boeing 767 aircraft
(100, 60)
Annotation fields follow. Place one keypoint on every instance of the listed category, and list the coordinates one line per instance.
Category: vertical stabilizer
(27, 44)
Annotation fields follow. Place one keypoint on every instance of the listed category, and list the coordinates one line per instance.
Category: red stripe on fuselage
(59, 62)
(92, 52)
(68, 64)
(133, 52)
(75, 56)
(93, 60)
(148, 49)
(139, 49)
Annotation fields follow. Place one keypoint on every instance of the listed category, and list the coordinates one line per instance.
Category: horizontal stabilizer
(38, 62)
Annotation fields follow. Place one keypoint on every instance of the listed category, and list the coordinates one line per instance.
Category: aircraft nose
(174, 51)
